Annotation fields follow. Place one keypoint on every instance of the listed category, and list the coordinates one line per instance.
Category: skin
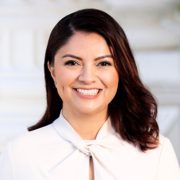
(86, 79)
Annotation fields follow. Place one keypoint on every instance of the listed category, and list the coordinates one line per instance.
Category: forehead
(81, 41)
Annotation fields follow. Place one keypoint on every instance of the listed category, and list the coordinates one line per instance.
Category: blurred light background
(152, 27)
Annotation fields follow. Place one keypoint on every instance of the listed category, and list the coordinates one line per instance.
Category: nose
(87, 75)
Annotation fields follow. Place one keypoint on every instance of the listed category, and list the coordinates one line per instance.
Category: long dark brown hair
(133, 110)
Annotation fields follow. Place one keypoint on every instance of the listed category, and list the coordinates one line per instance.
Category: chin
(90, 110)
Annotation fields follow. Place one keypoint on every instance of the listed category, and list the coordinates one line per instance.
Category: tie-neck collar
(67, 132)
(72, 153)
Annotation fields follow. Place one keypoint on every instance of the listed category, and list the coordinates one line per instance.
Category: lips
(88, 92)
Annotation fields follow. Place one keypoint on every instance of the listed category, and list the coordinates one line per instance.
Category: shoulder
(168, 167)
(35, 147)
(37, 136)
(35, 141)
(158, 155)
(166, 149)
(163, 140)
(165, 145)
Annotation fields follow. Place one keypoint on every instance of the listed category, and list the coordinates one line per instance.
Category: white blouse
(57, 152)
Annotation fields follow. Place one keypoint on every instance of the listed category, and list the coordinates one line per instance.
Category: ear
(51, 70)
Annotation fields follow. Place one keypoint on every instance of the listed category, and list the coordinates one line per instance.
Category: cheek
(61, 83)
(61, 79)
(111, 80)
(64, 77)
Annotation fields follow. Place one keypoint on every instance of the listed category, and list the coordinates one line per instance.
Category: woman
(100, 121)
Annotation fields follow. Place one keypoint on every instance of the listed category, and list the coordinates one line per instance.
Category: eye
(71, 63)
(104, 63)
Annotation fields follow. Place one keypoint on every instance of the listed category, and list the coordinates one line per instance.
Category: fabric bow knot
(82, 150)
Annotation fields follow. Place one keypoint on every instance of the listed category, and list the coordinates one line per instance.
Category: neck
(86, 125)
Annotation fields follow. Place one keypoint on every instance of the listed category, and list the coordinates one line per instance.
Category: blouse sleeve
(6, 170)
(168, 164)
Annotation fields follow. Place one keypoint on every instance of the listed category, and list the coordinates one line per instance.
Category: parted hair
(133, 110)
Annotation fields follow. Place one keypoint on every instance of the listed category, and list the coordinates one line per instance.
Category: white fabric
(57, 152)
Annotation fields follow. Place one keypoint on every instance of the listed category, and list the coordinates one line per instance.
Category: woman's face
(84, 74)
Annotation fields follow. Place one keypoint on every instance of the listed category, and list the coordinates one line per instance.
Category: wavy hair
(133, 110)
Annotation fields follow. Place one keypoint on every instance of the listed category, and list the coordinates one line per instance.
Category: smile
(88, 92)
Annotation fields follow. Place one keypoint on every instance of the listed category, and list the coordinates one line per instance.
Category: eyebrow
(71, 56)
(105, 56)
(79, 58)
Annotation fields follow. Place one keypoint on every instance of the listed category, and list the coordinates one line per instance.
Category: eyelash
(104, 63)
(74, 63)
(71, 63)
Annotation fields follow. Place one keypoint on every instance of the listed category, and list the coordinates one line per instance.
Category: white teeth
(90, 92)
